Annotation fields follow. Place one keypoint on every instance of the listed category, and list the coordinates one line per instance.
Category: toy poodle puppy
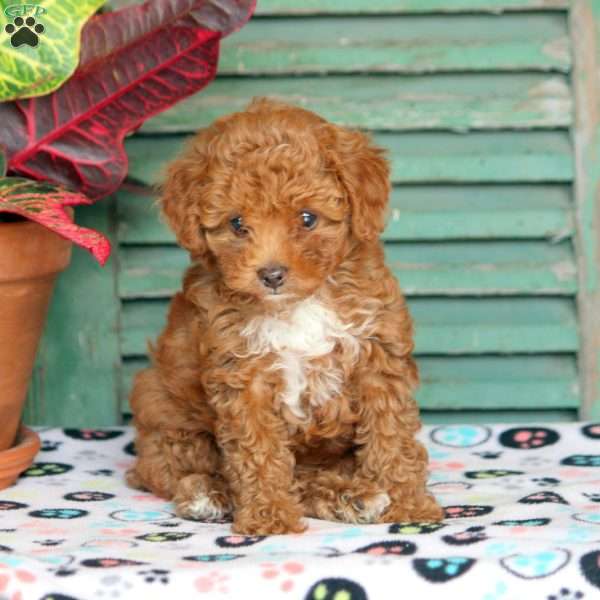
(282, 385)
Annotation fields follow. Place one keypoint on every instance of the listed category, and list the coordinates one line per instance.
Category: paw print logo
(24, 31)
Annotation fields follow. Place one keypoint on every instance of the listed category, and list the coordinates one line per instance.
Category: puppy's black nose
(273, 276)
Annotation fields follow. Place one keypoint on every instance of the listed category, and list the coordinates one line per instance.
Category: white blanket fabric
(523, 522)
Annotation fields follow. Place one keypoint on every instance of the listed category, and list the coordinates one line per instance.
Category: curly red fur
(243, 412)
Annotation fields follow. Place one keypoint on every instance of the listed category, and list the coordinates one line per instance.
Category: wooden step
(472, 383)
(439, 212)
(443, 101)
(304, 7)
(398, 44)
(442, 325)
(453, 268)
(426, 157)
(308, 7)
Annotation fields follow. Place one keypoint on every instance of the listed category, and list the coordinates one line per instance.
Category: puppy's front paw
(268, 520)
(422, 509)
(200, 498)
(203, 508)
(359, 507)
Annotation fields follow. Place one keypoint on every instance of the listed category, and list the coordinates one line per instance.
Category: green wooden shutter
(478, 103)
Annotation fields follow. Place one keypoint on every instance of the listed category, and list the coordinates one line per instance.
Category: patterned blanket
(523, 522)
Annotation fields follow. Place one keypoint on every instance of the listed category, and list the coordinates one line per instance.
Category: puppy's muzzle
(273, 276)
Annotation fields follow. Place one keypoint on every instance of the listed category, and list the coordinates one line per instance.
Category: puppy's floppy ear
(364, 174)
(181, 197)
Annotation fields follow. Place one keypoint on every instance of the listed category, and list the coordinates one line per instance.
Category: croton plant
(65, 148)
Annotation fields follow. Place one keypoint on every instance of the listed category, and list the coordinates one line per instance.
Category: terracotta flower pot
(16, 459)
(30, 259)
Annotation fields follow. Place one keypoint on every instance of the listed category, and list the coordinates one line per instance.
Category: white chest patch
(310, 331)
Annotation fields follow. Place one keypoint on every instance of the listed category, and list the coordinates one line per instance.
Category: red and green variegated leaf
(136, 63)
(45, 204)
(2, 162)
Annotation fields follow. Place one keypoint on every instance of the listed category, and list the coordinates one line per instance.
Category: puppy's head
(274, 197)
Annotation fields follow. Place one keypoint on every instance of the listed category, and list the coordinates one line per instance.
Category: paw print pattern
(50, 446)
(96, 435)
(164, 536)
(88, 496)
(24, 31)
(528, 438)
(101, 472)
(130, 515)
(590, 567)
(237, 541)
(59, 513)
(45, 469)
(593, 497)
(110, 563)
(592, 518)
(461, 511)
(460, 436)
(546, 481)
(415, 528)
(49, 542)
(592, 431)
(10, 505)
(538, 564)
(523, 522)
(155, 576)
(542, 498)
(582, 460)
(286, 570)
(491, 474)
(388, 548)
(129, 449)
(472, 535)
(533, 461)
(212, 582)
(566, 594)
(488, 455)
(334, 588)
(113, 586)
(206, 558)
(440, 570)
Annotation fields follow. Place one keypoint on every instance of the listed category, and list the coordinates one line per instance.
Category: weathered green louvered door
(475, 101)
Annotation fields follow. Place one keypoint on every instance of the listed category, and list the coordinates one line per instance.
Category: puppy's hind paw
(133, 479)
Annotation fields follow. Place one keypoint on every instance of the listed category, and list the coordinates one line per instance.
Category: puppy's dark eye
(309, 220)
(237, 225)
